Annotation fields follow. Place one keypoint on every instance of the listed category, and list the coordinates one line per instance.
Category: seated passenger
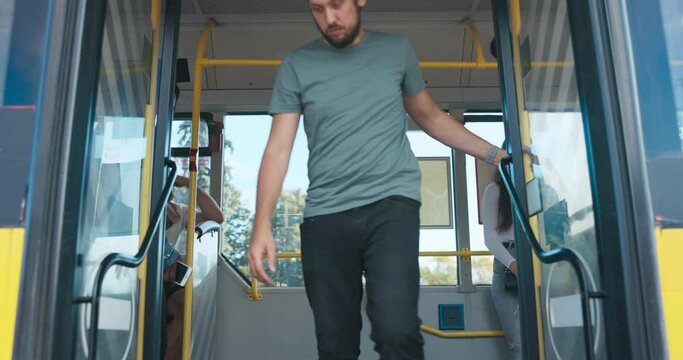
(176, 214)
(176, 221)
(500, 239)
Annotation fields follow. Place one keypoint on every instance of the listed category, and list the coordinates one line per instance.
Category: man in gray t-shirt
(353, 88)
(354, 119)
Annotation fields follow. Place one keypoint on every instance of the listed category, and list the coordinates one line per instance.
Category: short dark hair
(504, 205)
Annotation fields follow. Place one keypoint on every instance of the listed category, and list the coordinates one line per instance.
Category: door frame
(529, 315)
(46, 314)
(625, 259)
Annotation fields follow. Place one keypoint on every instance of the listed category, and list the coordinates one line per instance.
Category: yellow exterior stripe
(11, 253)
(669, 250)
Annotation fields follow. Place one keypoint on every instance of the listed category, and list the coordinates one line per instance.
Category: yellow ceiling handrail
(204, 62)
(477, 42)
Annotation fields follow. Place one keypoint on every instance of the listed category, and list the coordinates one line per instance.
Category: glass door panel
(558, 181)
(112, 212)
(655, 37)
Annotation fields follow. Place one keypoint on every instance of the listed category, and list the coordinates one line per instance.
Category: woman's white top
(492, 237)
(178, 219)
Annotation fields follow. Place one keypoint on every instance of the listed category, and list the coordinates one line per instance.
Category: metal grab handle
(553, 256)
(206, 227)
(125, 260)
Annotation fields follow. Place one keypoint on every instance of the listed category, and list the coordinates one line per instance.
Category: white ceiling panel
(301, 6)
(187, 8)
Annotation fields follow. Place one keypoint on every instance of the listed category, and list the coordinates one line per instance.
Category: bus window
(665, 153)
(181, 133)
(6, 19)
(245, 140)
(437, 215)
(478, 177)
(113, 214)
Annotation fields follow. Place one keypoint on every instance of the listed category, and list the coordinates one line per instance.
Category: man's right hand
(262, 245)
(271, 175)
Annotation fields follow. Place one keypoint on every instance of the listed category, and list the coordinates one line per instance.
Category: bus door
(21, 58)
(90, 182)
(127, 143)
(569, 173)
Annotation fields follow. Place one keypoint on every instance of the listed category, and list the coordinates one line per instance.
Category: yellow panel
(11, 250)
(669, 249)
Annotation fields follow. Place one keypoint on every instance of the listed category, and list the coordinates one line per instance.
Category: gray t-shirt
(352, 102)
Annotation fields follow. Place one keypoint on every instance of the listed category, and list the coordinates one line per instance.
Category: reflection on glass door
(558, 181)
(656, 35)
(665, 168)
(111, 217)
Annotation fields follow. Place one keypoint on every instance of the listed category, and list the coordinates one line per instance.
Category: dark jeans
(381, 242)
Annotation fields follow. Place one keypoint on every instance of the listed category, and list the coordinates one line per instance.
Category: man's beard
(346, 41)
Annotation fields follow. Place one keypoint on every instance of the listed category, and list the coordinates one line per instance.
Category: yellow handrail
(478, 65)
(461, 334)
(255, 295)
(458, 65)
(194, 152)
(477, 42)
(288, 255)
(515, 14)
(241, 62)
(463, 253)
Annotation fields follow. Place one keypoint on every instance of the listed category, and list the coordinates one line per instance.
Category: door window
(111, 220)
(558, 181)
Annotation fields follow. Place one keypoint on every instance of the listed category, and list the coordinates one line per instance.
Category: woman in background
(176, 222)
(500, 239)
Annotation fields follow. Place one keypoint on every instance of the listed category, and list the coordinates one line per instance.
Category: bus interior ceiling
(270, 29)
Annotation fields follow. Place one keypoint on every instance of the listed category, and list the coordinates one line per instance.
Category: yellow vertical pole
(146, 180)
(515, 15)
(194, 151)
(477, 42)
